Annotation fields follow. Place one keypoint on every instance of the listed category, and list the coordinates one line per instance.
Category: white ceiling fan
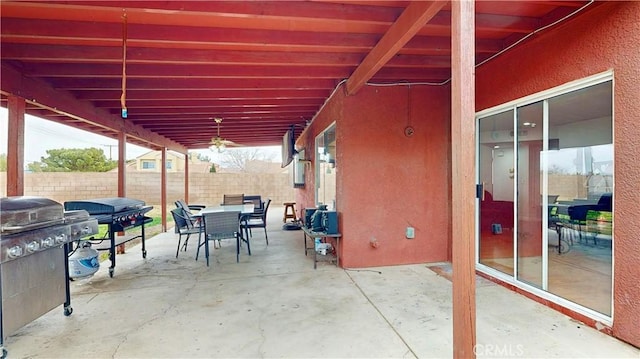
(218, 143)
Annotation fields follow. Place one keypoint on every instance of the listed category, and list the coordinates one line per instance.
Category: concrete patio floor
(274, 304)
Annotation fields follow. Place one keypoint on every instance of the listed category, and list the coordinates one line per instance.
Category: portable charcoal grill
(120, 213)
(35, 236)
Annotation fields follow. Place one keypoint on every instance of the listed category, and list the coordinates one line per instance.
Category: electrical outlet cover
(410, 233)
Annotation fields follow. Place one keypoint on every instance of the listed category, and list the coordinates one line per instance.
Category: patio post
(122, 178)
(186, 177)
(463, 177)
(122, 164)
(163, 189)
(15, 146)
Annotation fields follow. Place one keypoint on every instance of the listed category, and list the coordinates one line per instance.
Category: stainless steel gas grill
(120, 213)
(35, 235)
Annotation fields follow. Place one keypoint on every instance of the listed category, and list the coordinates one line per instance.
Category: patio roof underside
(260, 66)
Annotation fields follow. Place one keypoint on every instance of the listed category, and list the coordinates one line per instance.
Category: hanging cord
(123, 97)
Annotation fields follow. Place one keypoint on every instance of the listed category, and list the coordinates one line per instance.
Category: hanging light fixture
(217, 143)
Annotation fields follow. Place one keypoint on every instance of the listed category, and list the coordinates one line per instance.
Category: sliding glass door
(496, 169)
(529, 239)
(545, 212)
(579, 169)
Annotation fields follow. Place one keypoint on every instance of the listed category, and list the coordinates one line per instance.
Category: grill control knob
(61, 238)
(33, 246)
(14, 252)
(48, 242)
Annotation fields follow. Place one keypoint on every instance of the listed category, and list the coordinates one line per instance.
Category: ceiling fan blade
(231, 143)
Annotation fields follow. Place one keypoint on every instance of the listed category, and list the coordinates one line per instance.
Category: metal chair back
(220, 225)
(258, 220)
(233, 199)
(184, 226)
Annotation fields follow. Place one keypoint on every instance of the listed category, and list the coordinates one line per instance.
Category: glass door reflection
(496, 171)
(529, 236)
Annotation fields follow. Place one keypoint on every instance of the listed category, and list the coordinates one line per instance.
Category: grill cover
(21, 213)
(108, 205)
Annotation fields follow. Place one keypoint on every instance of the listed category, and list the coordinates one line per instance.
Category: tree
(238, 158)
(3, 162)
(202, 157)
(74, 160)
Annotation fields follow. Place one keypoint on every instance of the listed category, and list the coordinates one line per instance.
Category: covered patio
(274, 304)
(398, 85)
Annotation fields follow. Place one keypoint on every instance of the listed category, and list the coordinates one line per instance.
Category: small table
(289, 215)
(324, 236)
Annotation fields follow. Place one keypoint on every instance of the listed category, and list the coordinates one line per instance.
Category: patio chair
(258, 204)
(189, 207)
(184, 226)
(218, 226)
(258, 220)
(229, 199)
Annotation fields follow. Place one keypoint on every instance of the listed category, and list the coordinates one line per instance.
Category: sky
(42, 135)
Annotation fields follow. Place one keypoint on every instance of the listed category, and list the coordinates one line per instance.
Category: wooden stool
(289, 212)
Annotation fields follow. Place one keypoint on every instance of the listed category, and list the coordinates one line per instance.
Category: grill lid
(104, 205)
(28, 212)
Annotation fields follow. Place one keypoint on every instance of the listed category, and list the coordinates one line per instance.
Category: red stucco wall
(390, 181)
(607, 37)
(386, 180)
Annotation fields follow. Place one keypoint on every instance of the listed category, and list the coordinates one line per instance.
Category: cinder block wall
(204, 188)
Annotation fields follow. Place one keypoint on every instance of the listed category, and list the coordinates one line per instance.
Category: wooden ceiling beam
(219, 112)
(192, 84)
(88, 34)
(200, 71)
(155, 36)
(192, 103)
(113, 55)
(145, 35)
(137, 118)
(296, 61)
(304, 20)
(222, 95)
(227, 123)
(412, 19)
(196, 119)
(301, 9)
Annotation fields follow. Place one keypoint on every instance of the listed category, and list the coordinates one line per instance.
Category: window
(326, 167)
(298, 168)
(148, 164)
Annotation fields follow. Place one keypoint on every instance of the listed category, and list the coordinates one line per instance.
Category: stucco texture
(388, 181)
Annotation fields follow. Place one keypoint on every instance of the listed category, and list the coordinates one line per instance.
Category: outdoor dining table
(245, 210)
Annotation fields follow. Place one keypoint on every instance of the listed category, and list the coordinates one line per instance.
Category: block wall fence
(204, 188)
